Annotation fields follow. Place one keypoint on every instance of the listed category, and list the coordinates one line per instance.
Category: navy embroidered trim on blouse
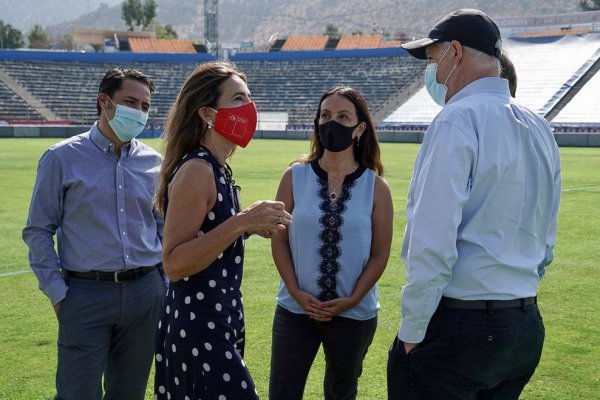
(331, 222)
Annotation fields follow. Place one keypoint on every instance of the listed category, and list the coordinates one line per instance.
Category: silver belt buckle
(116, 276)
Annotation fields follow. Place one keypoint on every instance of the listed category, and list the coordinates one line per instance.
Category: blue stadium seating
(13, 107)
(293, 82)
(69, 88)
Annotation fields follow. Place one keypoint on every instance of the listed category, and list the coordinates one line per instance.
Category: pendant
(332, 195)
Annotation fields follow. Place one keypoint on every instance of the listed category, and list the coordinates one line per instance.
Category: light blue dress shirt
(482, 205)
(98, 205)
(354, 244)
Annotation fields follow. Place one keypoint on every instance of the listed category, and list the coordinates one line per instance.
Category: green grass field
(569, 296)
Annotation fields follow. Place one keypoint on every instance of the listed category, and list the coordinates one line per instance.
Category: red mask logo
(237, 124)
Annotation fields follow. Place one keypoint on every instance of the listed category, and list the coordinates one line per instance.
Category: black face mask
(336, 137)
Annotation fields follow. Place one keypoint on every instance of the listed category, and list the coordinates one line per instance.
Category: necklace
(333, 194)
(334, 190)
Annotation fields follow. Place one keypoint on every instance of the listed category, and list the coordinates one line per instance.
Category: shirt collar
(488, 84)
(105, 145)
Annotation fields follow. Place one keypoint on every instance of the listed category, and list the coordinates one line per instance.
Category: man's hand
(408, 347)
(57, 307)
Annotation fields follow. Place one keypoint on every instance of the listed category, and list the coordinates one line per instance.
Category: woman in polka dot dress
(200, 339)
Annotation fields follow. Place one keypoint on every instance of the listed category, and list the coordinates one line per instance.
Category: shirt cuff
(411, 333)
(56, 291)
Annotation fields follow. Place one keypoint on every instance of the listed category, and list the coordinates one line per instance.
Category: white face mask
(127, 122)
(437, 90)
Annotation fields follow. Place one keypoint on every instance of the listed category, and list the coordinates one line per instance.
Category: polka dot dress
(200, 337)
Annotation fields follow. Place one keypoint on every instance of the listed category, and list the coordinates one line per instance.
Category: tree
(10, 38)
(136, 14)
(586, 6)
(332, 31)
(131, 11)
(148, 13)
(165, 32)
(38, 39)
(64, 43)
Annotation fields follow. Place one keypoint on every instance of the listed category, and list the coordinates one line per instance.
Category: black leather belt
(448, 302)
(113, 276)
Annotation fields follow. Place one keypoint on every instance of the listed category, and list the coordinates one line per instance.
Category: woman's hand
(312, 306)
(267, 234)
(337, 306)
(266, 218)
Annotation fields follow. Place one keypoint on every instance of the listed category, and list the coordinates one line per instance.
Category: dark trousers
(469, 355)
(296, 341)
(107, 328)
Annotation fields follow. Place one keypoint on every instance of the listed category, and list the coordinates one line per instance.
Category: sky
(23, 14)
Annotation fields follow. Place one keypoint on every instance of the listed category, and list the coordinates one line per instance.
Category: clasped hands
(323, 310)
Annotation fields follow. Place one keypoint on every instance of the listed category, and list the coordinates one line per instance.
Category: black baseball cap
(472, 28)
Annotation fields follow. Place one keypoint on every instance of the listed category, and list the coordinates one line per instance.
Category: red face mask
(237, 124)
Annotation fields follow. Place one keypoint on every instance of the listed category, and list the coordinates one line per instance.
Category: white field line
(23, 271)
(580, 188)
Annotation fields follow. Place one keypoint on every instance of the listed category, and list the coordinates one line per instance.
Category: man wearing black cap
(481, 225)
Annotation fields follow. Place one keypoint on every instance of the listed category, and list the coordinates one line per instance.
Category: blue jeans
(296, 341)
(469, 355)
(107, 328)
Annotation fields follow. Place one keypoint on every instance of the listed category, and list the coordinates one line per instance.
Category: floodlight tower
(211, 27)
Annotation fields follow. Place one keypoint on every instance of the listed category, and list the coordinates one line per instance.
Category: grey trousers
(107, 329)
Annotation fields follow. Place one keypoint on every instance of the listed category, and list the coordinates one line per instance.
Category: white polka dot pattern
(201, 357)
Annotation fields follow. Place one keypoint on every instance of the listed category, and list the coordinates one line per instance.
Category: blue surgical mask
(437, 90)
(127, 122)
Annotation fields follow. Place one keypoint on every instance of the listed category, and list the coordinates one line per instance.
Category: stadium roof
(147, 45)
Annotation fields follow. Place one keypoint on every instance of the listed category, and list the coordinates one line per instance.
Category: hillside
(258, 20)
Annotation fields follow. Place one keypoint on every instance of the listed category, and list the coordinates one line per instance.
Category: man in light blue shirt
(481, 225)
(94, 192)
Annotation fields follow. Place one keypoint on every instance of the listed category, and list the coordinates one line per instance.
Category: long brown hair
(184, 130)
(366, 150)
